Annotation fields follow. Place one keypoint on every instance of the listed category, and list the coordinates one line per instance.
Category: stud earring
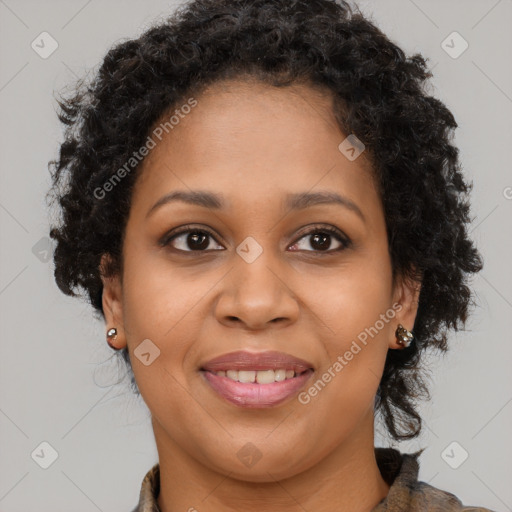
(404, 337)
(111, 336)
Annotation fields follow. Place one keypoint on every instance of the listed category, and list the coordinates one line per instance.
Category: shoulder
(149, 491)
(407, 493)
(431, 499)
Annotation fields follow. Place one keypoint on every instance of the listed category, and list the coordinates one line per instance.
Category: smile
(259, 376)
(256, 389)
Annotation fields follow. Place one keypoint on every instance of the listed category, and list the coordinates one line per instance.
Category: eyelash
(338, 235)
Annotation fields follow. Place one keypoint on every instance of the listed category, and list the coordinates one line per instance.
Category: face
(257, 265)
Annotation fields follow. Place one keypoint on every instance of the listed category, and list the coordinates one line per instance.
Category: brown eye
(320, 240)
(190, 240)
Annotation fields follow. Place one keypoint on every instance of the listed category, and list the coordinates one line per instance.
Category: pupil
(325, 240)
(200, 241)
(203, 244)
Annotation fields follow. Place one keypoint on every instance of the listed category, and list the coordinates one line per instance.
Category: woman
(265, 207)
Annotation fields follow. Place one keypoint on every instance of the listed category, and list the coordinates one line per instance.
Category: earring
(404, 337)
(111, 336)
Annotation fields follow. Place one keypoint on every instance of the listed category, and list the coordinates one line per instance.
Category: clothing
(399, 470)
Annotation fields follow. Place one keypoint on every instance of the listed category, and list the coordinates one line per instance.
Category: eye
(320, 239)
(189, 240)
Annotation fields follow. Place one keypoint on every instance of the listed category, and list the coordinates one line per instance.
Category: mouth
(259, 376)
(256, 380)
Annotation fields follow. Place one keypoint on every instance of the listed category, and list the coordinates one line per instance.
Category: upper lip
(244, 360)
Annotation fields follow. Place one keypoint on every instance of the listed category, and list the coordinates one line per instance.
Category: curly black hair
(378, 95)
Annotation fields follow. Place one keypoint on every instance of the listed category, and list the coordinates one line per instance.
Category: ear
(406, 296)
(112, 302)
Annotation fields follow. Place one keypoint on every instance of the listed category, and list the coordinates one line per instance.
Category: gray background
(56, 371)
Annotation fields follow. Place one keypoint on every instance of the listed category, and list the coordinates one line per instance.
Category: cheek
(357, 313)
(158, 305)
(356, 345)
(354, 297)
(156, 295)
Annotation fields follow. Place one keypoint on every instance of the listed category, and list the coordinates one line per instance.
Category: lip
(253, 395)
(268, 360)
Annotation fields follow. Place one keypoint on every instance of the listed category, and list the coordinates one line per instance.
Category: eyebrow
(297, 201)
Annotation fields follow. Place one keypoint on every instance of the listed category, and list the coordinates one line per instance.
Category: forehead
(250, 137)
(238, 112)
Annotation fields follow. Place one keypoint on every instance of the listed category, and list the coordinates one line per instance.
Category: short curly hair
(378, 96)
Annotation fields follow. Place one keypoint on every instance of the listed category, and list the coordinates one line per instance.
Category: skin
(254, 144)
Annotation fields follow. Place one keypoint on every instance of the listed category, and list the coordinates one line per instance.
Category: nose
(257, 295)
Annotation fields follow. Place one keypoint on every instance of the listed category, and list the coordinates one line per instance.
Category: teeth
(279, 375)
(246, 376)
(268, 376)
(259, 376)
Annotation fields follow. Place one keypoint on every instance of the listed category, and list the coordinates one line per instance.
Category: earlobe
(407, 294)
(112, 305)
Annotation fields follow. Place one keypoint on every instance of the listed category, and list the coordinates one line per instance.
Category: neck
(347, 478)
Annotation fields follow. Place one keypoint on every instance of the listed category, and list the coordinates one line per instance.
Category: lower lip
(256, 395)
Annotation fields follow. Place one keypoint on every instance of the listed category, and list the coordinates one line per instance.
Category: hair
(378, 95)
